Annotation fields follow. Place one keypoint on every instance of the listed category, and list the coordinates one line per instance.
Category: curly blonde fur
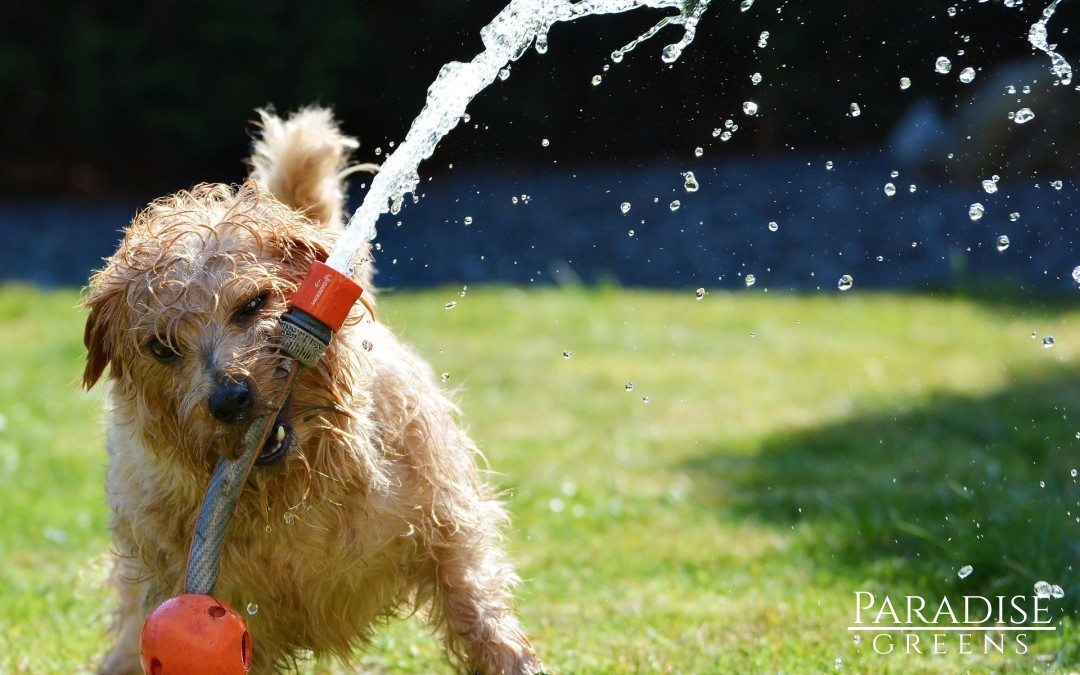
(378, 509)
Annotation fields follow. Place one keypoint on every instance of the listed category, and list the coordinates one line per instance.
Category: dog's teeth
(280, 434)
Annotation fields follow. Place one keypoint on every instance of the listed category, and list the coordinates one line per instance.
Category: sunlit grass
(792, 451)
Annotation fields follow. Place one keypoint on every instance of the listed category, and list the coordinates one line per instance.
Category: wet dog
(366, 501)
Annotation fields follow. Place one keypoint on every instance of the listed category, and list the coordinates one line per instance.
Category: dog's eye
(161, 351)
(253, 305)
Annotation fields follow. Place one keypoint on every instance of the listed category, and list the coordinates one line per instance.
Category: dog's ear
(103, 309)
(303, 244)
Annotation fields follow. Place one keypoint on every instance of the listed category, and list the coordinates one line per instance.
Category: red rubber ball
(195, 634)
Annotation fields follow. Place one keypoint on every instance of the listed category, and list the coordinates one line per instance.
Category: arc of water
(509, 35)
(1037, 36)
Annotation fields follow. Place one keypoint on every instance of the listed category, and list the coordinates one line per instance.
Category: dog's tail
(303, 161)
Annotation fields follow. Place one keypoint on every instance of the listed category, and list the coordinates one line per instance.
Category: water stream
(520, 25)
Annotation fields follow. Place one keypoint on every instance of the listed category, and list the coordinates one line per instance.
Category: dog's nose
(231, 401)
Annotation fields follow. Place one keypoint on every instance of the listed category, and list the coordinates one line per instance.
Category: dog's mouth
(281, 439)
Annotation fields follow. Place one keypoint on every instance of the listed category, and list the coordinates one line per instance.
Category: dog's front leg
(473, 588)
(138, 595)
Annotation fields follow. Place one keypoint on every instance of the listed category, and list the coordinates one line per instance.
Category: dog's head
(186, 311)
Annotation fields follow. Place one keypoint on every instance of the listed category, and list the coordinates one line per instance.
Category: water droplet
(464, 289)
(911, 188)
(1057, 592)
(289, 517)
(690, 184)
(726, 136)
(755, 78)
(1011, 89)
(763, 39)
(625, 207)
(773, 226)
(749, 107)
(252, 609)
(467, 220)
(541, 43)
(828, 165)
(1073, 473)
(1014, 216)
(617, 56)
(596, 80)
(630, 233)
(503, 75)
(943, 64)
(674, 206)
(567, 354)
(671, 53)
(699, 294)
(1048, 342)
(366, 344)
(989, 186)
(951, 11)
(699, 151)
(1042, 589)
(445, 377)
(1076, 274)
(890, 189)
(1003, 242)
(646, 399)
(268, 528)
(967, 75)
(629, 386)
(905, 82)
(845, 282)
(965, 571)
(1023, 116)
(746, 4)
(857, 638)
(450, 305)
(894, 174)
(545, 143)
(976, 211)
(855, 110)
(1056, 184)
(880, 258)
(750, 280)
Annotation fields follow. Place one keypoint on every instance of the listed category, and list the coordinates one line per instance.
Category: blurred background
(110, 104)
(702, 470)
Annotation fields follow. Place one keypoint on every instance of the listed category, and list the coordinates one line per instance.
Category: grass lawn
(775, 454)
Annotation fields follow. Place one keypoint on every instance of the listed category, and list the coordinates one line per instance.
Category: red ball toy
(195, 634)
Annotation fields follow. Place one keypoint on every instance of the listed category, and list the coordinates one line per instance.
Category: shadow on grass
(905, 498)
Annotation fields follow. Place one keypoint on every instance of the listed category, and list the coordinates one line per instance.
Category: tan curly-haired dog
(366, 502)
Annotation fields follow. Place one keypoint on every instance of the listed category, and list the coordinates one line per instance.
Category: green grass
(793, 451)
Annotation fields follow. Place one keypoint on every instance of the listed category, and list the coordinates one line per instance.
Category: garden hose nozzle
(317, 310)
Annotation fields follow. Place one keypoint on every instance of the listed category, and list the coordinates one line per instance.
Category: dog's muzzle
(281, 438)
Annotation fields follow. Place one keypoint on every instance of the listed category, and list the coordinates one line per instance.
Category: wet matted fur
(379, 507)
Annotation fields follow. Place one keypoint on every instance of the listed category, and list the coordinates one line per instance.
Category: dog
(365, 503)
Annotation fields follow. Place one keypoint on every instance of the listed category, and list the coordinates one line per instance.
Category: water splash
(508, 37)
(1037, 36)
